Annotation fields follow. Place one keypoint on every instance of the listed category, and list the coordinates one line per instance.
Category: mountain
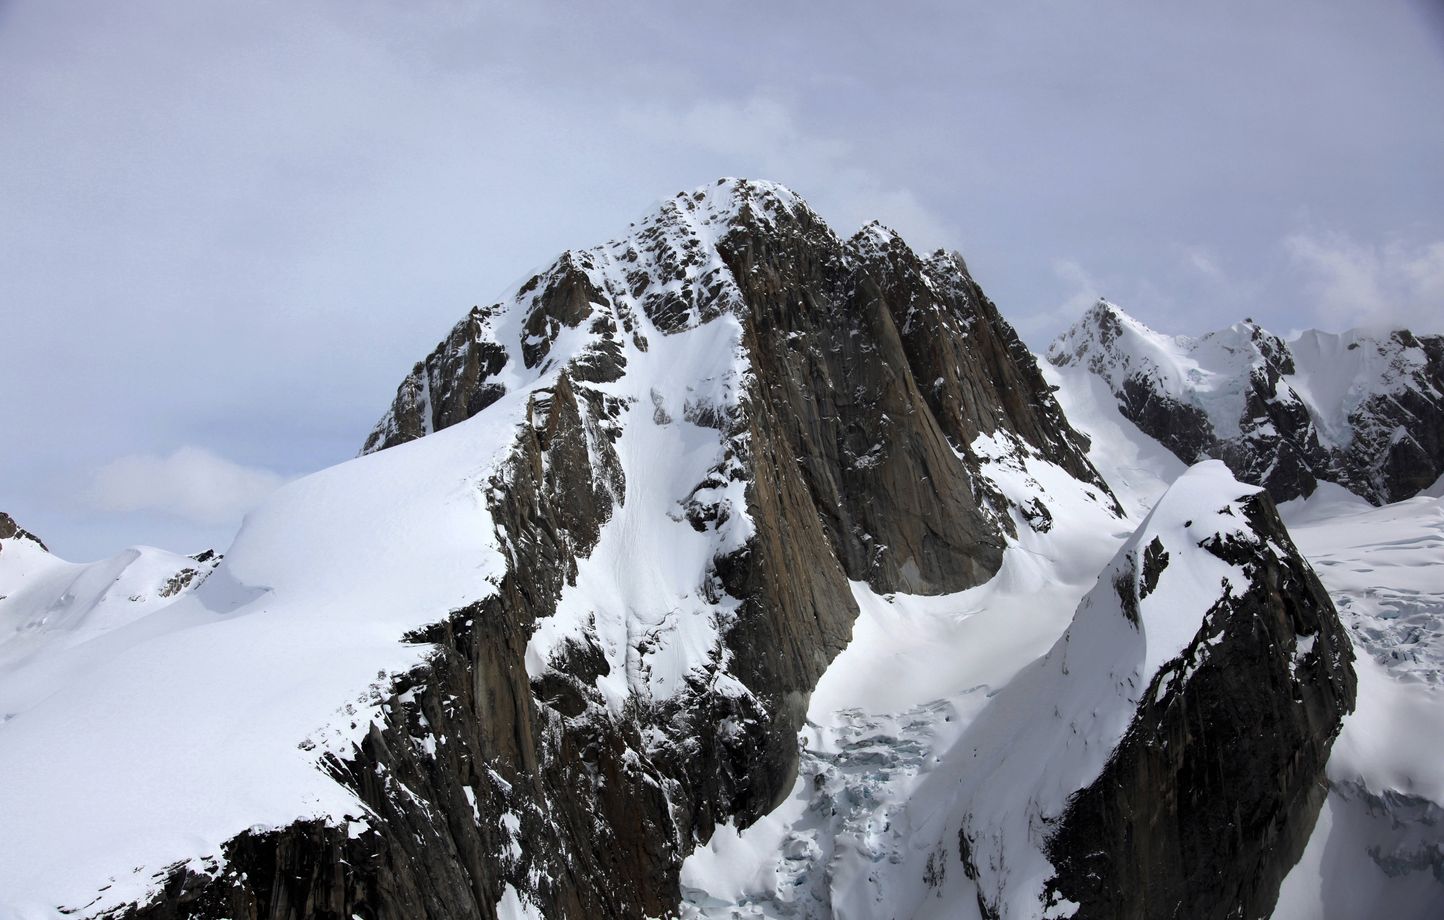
(730, 568)
(1361, 409)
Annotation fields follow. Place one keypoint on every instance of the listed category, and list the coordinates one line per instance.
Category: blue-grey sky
(227, 229)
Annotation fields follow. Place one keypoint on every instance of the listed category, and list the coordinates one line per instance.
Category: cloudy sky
(228, 229)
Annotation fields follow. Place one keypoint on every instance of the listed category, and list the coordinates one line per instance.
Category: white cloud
(1394, 283)
(762, 138)
(190, 483)
(1202, 261)
(1084, 291)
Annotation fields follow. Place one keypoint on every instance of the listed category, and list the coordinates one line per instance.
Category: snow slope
(279, 656)
(47, 604)
(637, 592)
(1337, 373)
(1210, 373)
(1009, 777)
(113, 773)
(1378, 850)
(1136, 467)
(141, 728)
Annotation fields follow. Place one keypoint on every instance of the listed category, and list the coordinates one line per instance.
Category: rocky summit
(734, 568)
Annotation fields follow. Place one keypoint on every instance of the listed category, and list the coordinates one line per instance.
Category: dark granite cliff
(1166, 757)
(1211, 796)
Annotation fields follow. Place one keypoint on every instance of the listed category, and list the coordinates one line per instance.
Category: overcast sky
(227, 230)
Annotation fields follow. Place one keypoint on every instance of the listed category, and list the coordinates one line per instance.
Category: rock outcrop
(1212, 794)
(1360, 409)
(1166, 758)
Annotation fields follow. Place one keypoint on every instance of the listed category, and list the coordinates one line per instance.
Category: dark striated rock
(973, 371)
(835, 392)
(473, 783)
(1182, 428)
(1211, 796)
(453, 384)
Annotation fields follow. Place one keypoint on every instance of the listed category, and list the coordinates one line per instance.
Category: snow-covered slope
(140, 736)
(1379, 848)
(48, 605)
(1362, 408)
(884, 727)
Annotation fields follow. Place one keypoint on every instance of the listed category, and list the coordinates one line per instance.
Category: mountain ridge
(1357, 408)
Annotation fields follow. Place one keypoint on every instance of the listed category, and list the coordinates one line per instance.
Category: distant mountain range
(1364, 409)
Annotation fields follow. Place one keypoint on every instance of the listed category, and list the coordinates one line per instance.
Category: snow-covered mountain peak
(876, 238)
(664, 275)
(1361, 408)
(572, 600)
(1116, 346)
(624, 538)
(699, 256)
(729, 201)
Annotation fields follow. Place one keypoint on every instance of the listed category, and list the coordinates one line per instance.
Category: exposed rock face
(837, 387)
(9, 530)
(1211, 796)
(1398, 444)
(857, 344)
(1363, 410)
(1166, 757)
